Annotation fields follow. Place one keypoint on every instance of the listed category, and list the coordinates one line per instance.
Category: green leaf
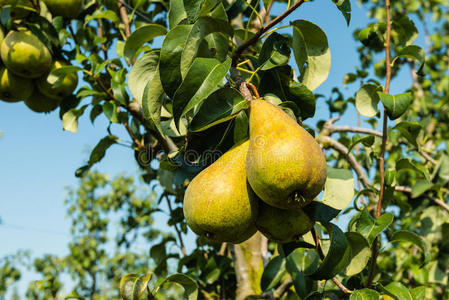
(311, 52)
(299, 263)
(369, 227)
(99, 151)
(176, 13)
(345, 7)
(365, 294)
(103, 14)
(132, 286)
(396, 105)
(367, 141)
(275, 52)
(320, 212)
(418, 293)
(411, 237)
(412, 52)
(170, 59)
(337, 256)
(70, 118)
(222, 105)
(202, 79)
(420, 187)
(241, 127)
(410, 131)
(141, 73)
(339, 188)
(366, 100)
(398, 291)
(110, 111)
(406, 163)
(273, 273)
(303, 98)
(192, 8)
(202, 27)
(360, 253)
(152, 100)
(139, 37)
(189, 285)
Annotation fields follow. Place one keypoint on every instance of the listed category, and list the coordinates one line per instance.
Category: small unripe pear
(282, 225)
(50, 86)
(40, 103)
(25, 55)
(14, 88)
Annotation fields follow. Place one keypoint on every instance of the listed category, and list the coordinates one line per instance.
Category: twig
(316, 238)
(100, 34)
(178, 232)
(254, 89)
(434, 199)
(246, 93)
(374, 249)
(333, 128)
(327, 142)
(255, 37)
(268, 11)
(124, 17)
(130, 132)
(223, 248)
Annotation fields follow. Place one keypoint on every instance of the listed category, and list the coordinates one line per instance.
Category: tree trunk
(249, 263)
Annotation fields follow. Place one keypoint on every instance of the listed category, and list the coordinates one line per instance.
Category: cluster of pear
(260, 184)
(27, 63)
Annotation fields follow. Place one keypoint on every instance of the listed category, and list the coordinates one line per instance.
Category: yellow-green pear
(57, 87)
(17, 11)
(40, 103)
(285, 166)
(64, 8)
(218, 203)
(14, 88)
(282, 225)
(25, 55)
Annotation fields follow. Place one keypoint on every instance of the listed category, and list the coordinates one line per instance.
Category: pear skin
(285, 166)
(218, 203)
(25, 55)
(40, 103)
(282, 225)
(14, 88)
(66, 83)
(65, 8)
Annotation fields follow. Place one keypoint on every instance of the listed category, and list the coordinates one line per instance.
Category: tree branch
(437, 201)
(124, 17)
(255, 37)
(375, 250)
(327, 142)
(178, 232)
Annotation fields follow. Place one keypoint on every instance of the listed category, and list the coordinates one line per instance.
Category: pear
(285, 165)
(282, 225)
(218, 203)
(25, 55)
(14, 88)
(64, 8)
(62, 89)
(18, 12)
(40, 103)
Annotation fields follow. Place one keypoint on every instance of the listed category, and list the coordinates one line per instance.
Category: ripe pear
(282, 225)
(64, 8)
(65, 86)
(218, 203)
(285, 165)
(25, 55)
(14, 88)
(40, 103)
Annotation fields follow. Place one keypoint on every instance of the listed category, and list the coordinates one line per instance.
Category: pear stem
(254, 89)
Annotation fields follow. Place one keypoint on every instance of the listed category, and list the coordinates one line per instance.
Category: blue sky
(38, 159)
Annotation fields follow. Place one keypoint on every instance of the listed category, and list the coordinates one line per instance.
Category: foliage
(171, 73)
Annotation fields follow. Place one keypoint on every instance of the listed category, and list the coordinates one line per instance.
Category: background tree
(184, 99)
